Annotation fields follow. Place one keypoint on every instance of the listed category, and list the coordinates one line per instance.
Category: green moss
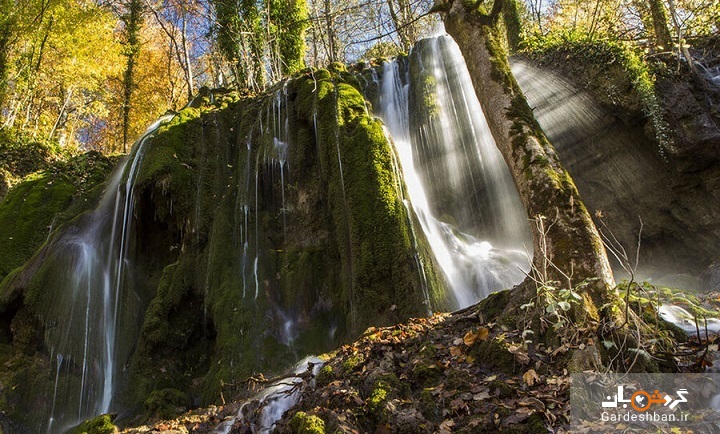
(168, 162)
(43, 201)
(21, 155)
(166, 403)
(325, 376)
(426, 374)
(173, 346)
(378, 398)
(337, 67)
(352, 363)
(303, 423)
(429, 406)
(368, 216)
(99, 425)
(494, 353)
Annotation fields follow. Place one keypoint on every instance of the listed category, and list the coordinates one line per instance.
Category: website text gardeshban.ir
(643, 417)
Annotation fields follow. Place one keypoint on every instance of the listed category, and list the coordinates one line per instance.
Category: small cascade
(260, 414)
(88, 317)
(279, 127)
(688, 322)
(711, 74)
(456, 179)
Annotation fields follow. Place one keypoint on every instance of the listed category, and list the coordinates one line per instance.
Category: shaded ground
(448, 373)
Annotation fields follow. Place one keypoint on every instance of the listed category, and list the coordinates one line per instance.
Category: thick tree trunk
(660, 24)
(567, 244)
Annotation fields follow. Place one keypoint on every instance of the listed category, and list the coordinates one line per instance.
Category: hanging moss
(627, 80)
(45, 200)
(240, 264)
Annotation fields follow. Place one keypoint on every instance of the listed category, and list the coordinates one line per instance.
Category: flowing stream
(261, 413)
(84, 336)
(457, 180)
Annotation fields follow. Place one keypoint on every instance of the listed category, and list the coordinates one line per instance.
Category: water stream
(87, 316)
(457, 181)
(261, 413)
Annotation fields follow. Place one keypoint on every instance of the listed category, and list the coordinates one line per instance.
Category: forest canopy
(93, 74)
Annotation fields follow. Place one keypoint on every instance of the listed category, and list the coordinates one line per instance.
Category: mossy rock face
(43, 201)
(21, 156)
(263, 228)
(167, 403)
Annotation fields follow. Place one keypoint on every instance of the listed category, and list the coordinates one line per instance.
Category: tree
(288, 22)
(660, 24)
(178, 20)
(7, 22)
(58, 58)
(405, 21)
(566, 245)
(132, 19)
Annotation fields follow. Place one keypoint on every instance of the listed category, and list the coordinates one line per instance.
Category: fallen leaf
(520, 355)
(517, 417)
(481, 396)
(532, 402)
(469, 338)
(455, 351)
(446, 426)
(457, 403)
(531, 377)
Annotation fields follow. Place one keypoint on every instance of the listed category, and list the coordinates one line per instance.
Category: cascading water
(456, 178)
(261, 413)
(87, 317)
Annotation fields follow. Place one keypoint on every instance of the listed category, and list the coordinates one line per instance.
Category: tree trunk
(566, 242)
(330, 31)
(660, 24)
(187, 62)
(132, 20)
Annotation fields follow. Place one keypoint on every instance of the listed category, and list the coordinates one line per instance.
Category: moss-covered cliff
(263, 228)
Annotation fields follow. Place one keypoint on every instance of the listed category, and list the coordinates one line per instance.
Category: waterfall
(261, 413)
(86, 317)
(457, 181)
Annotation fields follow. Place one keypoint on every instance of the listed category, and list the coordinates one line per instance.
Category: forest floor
(442, 374)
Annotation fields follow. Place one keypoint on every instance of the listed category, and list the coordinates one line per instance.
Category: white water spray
(458, 158)
(275, 400)
(97, 256)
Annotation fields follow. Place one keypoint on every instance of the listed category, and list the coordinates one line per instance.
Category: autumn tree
(57, 59)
